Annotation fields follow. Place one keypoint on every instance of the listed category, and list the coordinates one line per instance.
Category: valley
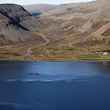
(61, 32)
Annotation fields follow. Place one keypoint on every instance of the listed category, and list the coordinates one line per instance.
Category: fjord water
(54, 85)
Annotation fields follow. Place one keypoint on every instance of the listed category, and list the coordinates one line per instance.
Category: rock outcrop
(16, 24)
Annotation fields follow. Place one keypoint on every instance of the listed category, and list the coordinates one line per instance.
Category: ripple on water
(13, 106)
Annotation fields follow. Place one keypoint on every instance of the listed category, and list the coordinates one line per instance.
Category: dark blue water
(54, 85)
(36, 14)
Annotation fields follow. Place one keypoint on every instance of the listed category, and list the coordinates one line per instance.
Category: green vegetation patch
(94, 57)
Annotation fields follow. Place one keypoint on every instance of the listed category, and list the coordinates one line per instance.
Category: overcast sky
(25, 2)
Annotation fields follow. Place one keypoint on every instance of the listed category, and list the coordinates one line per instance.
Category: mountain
(67, 20)
(35, 8)
(63, 31)
(16, 25)
(77, 29)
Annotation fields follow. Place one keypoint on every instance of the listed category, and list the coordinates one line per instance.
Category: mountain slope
(16, 25)
(39, 8)
(76, 29)
(68, 30)
(66, 20)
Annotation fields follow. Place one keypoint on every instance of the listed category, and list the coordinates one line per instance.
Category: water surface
(54, 85)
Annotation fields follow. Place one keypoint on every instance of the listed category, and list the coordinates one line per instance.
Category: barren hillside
(16, 24)
(69, 21)
(80, 28)
(64, 31)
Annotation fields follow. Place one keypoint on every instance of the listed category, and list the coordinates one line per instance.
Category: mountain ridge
(68, 30)
(14, 25)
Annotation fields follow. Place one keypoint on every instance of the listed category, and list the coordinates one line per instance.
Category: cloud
(68, 1)
(41, 1)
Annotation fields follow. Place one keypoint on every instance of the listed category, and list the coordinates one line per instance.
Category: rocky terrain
(16, 25)
(68, 31)
(77, 29)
